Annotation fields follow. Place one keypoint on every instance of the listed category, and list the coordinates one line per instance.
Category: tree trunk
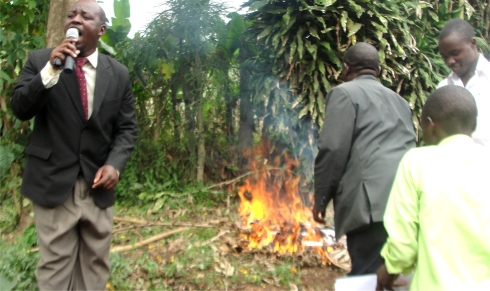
(231, 103)
(269, 119)
(175, 109)
(247, 123)
(190, 123)
(55, 32)
(201, 150)
(160, 105)
(6, 121)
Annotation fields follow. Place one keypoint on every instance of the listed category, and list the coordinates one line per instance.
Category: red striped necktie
(83, 83)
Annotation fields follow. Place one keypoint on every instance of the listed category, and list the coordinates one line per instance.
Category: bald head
(452, 109)
(360, 59)
(362, 55)
(101, 12)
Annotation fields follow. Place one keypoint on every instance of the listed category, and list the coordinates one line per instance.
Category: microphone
(71, 33)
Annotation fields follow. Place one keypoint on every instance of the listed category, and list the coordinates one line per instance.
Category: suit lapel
(103, 79)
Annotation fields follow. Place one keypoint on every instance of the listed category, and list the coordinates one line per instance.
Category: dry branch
(164, 224)
(223, 232)
(130, 220)
(148, 241)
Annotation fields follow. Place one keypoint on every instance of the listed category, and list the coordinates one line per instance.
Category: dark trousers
(364, 248)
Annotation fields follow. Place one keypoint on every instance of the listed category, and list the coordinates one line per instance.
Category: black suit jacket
(62, 142)
(367, 130)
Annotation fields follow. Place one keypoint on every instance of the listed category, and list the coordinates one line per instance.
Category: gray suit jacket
(367, 130)
(62, 142)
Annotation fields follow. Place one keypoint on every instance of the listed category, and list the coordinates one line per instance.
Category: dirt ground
(228, 251)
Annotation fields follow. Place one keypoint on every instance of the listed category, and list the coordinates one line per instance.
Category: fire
(272, 212)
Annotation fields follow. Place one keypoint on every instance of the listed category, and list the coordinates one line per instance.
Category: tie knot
(81, 61)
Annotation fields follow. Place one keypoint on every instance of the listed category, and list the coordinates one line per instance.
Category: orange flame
(272, 212)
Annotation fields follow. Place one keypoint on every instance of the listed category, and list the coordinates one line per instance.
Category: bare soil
(229, 251)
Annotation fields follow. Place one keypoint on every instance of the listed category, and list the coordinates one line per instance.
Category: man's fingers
(98, 175)
(400, 283)
(106, 177)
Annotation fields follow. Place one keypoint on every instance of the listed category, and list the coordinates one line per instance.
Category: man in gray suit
(366, 131)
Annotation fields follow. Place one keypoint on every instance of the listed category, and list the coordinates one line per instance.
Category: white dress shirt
(50, 77)
(479, 86)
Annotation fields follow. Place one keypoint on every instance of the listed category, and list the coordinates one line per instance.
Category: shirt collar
(482, 69)
(456, 139)
(365, 76)
(93, 58)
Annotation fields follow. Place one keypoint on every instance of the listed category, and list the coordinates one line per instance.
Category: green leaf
(321, 66)
(159, 204)
(434, 16)
(292, 51)
(257, 5)
(343, 20)
(263, 33)
(6, 159)
(6, 284)
(167, 69)
(299, 38)
(331, 54)
(316, 84)
(357, 8)
(354, 29)
(285, 18)
(311, 48)
(313, 31)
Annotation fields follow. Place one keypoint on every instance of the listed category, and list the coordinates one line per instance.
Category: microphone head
(72, 33)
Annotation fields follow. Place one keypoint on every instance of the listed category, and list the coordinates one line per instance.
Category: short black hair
(362, 55)
(453, 108)
(459, 27)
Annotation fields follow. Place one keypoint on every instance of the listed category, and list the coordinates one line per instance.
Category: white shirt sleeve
(50, 75)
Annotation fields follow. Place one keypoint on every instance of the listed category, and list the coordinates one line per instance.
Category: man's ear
(473, 43)
(103, 29)
(345, 70)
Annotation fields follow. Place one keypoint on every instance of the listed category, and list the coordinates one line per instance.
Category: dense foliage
(208, 85)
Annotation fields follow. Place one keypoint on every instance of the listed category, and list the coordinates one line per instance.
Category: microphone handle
(57, 63)
(69, 65)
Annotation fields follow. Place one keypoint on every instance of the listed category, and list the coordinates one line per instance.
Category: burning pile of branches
(274, 218)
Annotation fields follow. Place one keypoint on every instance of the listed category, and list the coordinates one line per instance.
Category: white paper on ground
(367, 283)
(353, 283)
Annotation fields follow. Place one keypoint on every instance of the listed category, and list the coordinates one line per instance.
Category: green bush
(17, 267)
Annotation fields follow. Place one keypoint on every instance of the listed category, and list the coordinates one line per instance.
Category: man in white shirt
(470, 69)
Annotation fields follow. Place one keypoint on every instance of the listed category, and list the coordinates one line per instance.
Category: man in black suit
(83, 136)
(366, 131)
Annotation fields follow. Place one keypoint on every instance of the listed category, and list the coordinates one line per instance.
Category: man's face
(459, 55)
(85, 16)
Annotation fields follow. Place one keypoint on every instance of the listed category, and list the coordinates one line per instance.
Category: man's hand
(64, 49)
(106, 177)
(318, 216)
(385, 280)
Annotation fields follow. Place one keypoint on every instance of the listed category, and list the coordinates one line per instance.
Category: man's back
(374, 127)
(451, 211)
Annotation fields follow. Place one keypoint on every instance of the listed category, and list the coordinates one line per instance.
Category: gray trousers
(74, 243)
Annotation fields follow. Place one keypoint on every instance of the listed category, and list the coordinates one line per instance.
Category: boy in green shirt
(437, 216)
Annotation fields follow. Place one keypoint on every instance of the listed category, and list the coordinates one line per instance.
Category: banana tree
(119, 29)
